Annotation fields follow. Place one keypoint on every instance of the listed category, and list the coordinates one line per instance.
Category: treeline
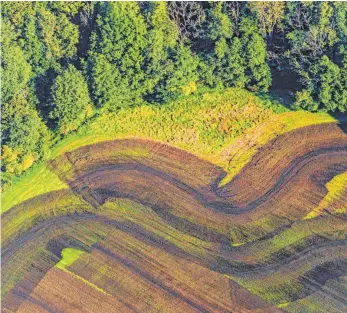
(61, 60)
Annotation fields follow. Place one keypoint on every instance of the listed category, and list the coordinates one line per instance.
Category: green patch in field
(318, 301)
(68, 257)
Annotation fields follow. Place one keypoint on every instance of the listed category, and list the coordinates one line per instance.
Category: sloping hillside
(143, 226)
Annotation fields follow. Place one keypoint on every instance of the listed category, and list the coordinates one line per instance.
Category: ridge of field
(217, 126)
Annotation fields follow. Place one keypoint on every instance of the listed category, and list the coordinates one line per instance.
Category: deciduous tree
(70, 100)
(162, 41)
(117, 55)
(255, 57)
(226, 66)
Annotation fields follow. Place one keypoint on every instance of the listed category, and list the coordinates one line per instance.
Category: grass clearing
(201, 124)
(37, 181)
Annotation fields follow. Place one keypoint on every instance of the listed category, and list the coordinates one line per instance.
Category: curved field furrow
(123, 239)
(154, 232)
(156, 179)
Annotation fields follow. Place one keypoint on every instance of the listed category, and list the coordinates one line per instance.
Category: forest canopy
(63, 62)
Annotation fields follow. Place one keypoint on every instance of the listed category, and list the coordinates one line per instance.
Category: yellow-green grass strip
(37, 181)
(317, 302)
(26, 215)
(296, 233)
(336, 187)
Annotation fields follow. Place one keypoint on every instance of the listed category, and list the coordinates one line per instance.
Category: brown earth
(170, 253)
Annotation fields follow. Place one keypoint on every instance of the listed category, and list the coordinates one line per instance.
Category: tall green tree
(171, 65)
(58, 34)
(15, 70)
(269, 15)
(70, 8)
(327, 87)
(24, 135)
(117, 55)
(48, 39)
(255, 56)
(46, 33)
(317, 37)
(225, 67)
(70, 100)
(162, 41)
(34, 47)
(182, 74)
(342, 106)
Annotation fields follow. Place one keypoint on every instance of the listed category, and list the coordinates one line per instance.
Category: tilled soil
(160, 234)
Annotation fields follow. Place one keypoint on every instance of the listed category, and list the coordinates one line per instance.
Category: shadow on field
(342, 120)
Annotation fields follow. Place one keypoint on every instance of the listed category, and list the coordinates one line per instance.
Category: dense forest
(63, 62)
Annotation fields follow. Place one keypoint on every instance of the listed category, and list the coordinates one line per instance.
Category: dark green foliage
(22, 128)
(327, 87)
(34, 47)
(44, 31)
(15, 71)
(254, 56)
(48, 40)
(24, 135)
(117, 55)
(225, 67)
(67, 7)
(58, 34)
(220, 25)
(25, 138)
(239, 58)
(180, 75)
(317, 37)
(138, 54)
(328, 84)
(70, 100)
(343, 81)
(162, 40)
(170, 63)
